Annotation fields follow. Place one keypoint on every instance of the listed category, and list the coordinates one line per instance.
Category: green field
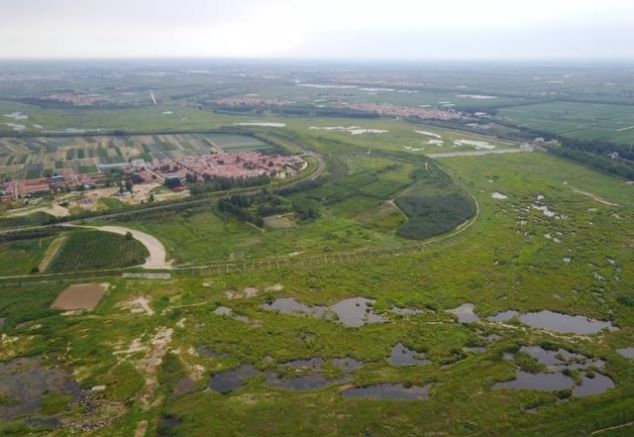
(86, 250)
(20, 257)
(585, 121)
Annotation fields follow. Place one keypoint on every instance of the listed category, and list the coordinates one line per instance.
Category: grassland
(549, 235)
(22, 256)
(496, 264)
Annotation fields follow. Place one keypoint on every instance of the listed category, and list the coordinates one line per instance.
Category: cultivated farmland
(83, 250)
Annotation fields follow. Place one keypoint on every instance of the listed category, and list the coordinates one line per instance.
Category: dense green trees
(434, 214)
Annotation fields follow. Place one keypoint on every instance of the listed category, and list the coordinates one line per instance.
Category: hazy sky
(342, 29)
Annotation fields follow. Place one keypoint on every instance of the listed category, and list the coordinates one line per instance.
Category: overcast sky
(335, 29)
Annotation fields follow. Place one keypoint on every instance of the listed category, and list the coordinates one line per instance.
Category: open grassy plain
(381, 293)
(504, 261)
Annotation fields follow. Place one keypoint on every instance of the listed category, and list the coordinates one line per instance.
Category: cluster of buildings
(243, 165)
(192, 169)
(58, 182)
(249, 101)
(388, 109)
(75, 99)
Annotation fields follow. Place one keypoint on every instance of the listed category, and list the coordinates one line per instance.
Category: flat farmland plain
(585, 121)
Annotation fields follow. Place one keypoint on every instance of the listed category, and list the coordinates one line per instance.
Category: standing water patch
(357, 312)
(564, 323)
(402, 356)
(465, 313)
(232, 380)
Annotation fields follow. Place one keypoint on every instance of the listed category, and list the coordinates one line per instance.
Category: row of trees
(224, 184)
(253, 208)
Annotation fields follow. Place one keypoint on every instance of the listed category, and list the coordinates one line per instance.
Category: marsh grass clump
(528, 364)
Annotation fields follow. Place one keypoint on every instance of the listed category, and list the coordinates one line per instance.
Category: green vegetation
(433, 215)
(84, 250)
(583, 121)
(22, 256)
(378, 220)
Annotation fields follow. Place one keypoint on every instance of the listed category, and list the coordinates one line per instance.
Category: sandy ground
(140, 193)
(54, 210)
(141, 428)
(139, 305)
(158, 254)
(149, 365)
(279, 221)
(247, 293)
(51, 251)
(80, 297)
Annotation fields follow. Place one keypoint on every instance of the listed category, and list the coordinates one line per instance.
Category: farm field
(72, 251)
(87, 121)
(587, 121)
(49, 155)
(85, 250)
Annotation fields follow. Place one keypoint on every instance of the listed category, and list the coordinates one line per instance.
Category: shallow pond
(627, 352)
(565, 323)
(557, 362)
(25, 381)
(593, 386)
(312, 381)
(289, 305)
(353, 312)
(402, 356)
(537, 381)
(465, 313)
(504, 316)
(232, 380)
(356, 312)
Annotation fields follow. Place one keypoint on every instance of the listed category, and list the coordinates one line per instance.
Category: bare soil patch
(80, 297)
(139, 305)
(280, 221)
(51, 251)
